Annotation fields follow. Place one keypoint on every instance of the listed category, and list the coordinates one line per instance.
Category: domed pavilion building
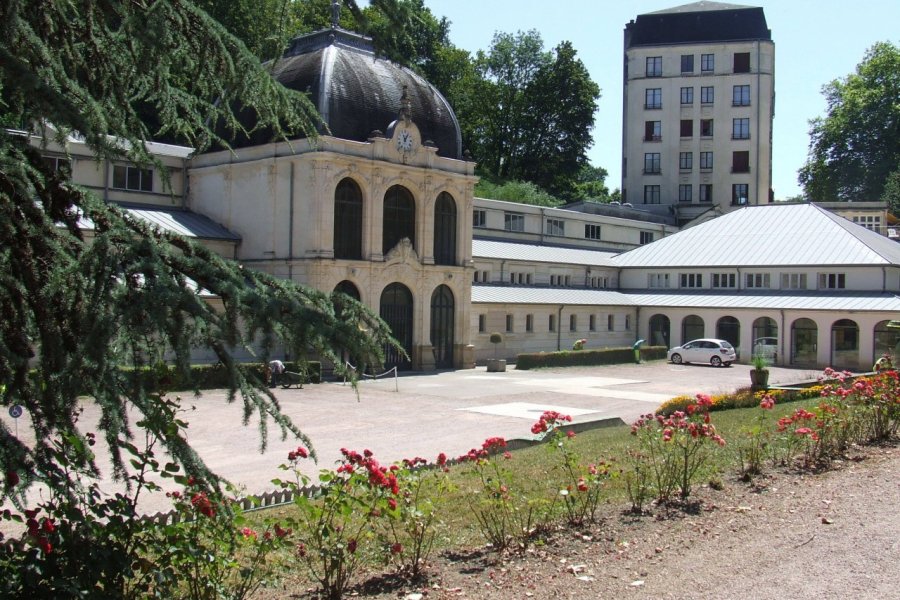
(379, 206)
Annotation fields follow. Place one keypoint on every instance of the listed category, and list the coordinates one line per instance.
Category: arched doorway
(348, 288)
(442, 315)
(339, 296)
(804, 342)
(886, 341)
(692, 327)
(399, 218)
(348, 216)
(445, 230)
(845, 344)
(396, 309)
(659, 330)
(764, 340)
(729, 329)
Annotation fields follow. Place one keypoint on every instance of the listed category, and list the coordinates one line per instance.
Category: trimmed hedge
(206, 377)
(586, 358)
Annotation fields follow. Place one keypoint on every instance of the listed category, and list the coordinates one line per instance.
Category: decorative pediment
(403, 253)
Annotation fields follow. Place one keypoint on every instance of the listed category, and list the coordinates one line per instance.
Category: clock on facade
(404, 141)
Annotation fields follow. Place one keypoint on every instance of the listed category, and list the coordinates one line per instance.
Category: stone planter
(496, 365)
(759, 379)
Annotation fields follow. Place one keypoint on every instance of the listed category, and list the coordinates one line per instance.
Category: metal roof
(767, 236)
(500, 294)
(538, 253)
(182, 222)
(789, 300)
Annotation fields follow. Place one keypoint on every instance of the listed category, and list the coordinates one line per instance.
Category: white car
(709, 351)
(767, 347)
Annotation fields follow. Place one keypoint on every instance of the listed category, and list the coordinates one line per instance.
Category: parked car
(710, 351)
(766, 347)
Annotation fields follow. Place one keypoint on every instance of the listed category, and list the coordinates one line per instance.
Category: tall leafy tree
(856, 146)
(72, 312)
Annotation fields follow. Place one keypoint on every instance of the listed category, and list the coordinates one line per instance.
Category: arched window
(729, 329)
(348, 229)
(804, 342)
(886, 341)
(692, 328)
(396, 308)
(442, 325)
(445, 230)
(399, 218)
(845, 344)
(765, 339)
(348, 288)
(659, 330)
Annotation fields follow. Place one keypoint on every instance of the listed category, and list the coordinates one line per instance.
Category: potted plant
(759, 375)
(496, 365)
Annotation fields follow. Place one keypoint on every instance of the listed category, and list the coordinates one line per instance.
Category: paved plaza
(425, 414)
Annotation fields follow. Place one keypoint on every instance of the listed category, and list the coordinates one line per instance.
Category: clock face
(404, 141)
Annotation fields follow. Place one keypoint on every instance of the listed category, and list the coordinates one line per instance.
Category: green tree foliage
(523, 192)
(536, 112)
(75, 310)
(856, 146)
(590, 184)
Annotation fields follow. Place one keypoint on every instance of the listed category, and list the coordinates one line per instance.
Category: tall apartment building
(699, 99)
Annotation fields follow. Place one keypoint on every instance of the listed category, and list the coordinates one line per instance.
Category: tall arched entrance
(764, 338)
(692, 327)
(445, 230)
(729, 329)
(396, 308)
(887, 340)
(442, 314)
(845, 344)
(659, 330)
(399, 218)
(804, 345)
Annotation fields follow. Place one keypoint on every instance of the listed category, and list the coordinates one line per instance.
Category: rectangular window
(740, 194)
(740, 161)
(651, 194)
(591, 232)
(832, 281)
(512, 277)
(685, 161)
(707, 95)
(658, 280)
(476, 276)
(707, 63)
(551, 325)
(757, 280)
(592, 323)
(529, 323)
(653, 98)
(652, 131)
(556, 227)
(724, 280)
(485, 276)
(646, 238)
(706, 127)
(685, 192)
(482, 323)
(627, 322)
(58, 165)
(706, 161)
(741, 62)
(706, 196)
(509, 323)
(610, 323)
(654, 66)
(573, 323)
(651, 164)
(740, 129)
(793, 281)
(479, 218)
(691, 280)
(687, 128)
(513, 222)
(687, 95)
(740, 95)
(132, 178)
(528, 278)
(687, 63)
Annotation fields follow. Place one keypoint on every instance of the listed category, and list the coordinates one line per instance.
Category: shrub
(582, 358)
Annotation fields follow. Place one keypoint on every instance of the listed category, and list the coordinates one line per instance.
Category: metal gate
(442, 313)
(397, 312)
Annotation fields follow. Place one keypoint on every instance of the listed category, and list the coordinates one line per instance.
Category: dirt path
(834, 535)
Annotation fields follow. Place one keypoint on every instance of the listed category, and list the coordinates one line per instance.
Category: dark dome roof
(357, 93)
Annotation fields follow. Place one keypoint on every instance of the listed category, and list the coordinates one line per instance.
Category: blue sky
(815, 42)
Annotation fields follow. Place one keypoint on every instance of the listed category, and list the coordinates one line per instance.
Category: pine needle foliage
(74, 309)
